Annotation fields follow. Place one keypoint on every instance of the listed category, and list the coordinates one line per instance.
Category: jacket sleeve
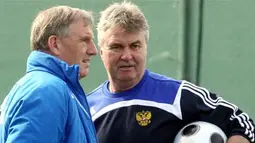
(39, 117)
(198, 103)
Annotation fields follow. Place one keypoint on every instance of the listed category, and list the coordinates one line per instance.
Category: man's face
(124, 54)
(78, 47)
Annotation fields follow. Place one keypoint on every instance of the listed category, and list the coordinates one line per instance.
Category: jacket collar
(40, 61)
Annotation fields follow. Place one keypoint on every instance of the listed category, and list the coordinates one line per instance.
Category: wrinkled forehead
(122, 36)
(81, 28)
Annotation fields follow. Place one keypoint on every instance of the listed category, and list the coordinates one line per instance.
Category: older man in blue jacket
(48, 104)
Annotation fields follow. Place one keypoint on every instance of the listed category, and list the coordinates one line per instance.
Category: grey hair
(55, 21)
(125, 14)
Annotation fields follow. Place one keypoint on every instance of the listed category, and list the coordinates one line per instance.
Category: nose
(126, 54)
(92, 50)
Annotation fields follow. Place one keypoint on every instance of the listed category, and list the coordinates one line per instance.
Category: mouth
(86, 61)
(126, 67)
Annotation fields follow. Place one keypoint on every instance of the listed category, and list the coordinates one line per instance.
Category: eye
(115, 47)
(135, 46)
(86, 40)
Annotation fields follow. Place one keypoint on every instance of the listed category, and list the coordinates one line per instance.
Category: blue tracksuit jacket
(47, 105)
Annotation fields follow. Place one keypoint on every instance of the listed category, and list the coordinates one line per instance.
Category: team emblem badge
(143, 118)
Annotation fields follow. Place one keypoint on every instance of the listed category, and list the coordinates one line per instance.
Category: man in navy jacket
(139, 106)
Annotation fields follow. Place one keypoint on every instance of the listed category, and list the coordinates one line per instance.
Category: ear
(101, 53)
(53, 46)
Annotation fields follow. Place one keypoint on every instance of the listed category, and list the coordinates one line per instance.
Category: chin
(83, 74)
(126, 77)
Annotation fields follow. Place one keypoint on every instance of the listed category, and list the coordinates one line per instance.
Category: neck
(118, 86)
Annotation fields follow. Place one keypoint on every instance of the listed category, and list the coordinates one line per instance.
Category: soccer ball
(200, 132)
